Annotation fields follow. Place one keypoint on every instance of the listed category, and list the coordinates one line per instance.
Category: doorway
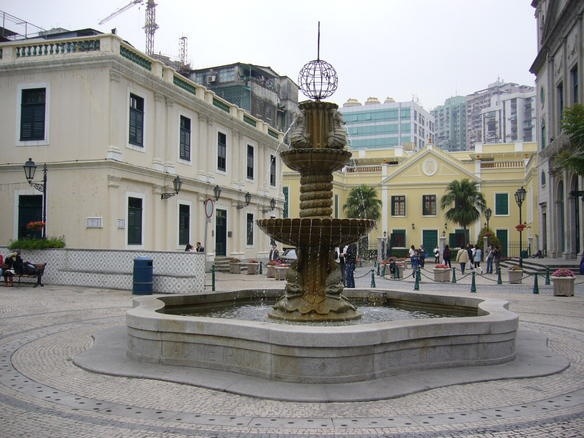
(221, 232)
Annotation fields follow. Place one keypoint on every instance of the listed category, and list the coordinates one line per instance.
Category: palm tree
(362, 203)
(468, 202)
(572, 157)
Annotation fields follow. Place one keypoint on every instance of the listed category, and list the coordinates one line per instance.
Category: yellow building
(410, 185)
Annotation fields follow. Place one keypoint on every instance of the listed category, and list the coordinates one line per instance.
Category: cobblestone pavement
(43, 394)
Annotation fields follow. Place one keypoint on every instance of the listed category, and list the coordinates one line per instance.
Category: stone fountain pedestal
(314, 282)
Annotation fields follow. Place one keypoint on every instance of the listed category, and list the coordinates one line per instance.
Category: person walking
(462, 258)
(350, 261)
(477, 256)
(446, 255)
(489, 259)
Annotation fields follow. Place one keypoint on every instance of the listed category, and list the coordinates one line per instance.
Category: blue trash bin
(142, 276)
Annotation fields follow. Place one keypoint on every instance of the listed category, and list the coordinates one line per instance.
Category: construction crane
(150, 25)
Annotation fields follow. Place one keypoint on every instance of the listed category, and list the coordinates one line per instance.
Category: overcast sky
(424, 49)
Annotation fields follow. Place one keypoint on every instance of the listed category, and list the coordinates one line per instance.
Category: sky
(427, 50)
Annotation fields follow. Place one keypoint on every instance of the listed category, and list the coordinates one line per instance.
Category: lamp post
(29, 170)
(488, 213)
(176, 184)
(519, 198)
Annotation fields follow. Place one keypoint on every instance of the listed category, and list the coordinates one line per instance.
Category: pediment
(429, 166)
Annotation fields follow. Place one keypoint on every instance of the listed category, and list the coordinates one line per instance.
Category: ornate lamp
(176, 184)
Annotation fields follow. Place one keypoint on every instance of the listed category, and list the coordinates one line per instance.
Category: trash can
(142, 276)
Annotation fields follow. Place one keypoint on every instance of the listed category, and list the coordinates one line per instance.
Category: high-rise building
(479, 101)
(450, 124)
(509, 118)
(377, 125)
(259, 90)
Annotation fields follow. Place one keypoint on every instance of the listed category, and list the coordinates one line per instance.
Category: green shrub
(49, 242)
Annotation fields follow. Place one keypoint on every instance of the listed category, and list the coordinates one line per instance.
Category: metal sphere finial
(318, 79)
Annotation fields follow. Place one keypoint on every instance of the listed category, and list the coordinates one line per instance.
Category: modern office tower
(559, 70)
(450, 124)
(509, 118)
(377, 125)
(259, 90)
(480, 100)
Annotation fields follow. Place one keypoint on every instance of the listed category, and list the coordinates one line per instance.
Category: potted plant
(441, 273)
(235, 266)
(252, 266)
(563, 280)
(515, 274)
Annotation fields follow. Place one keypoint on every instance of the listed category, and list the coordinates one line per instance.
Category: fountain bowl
(320, 353)
(327, 232)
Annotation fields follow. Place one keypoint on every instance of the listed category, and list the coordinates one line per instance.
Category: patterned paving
(43, 394)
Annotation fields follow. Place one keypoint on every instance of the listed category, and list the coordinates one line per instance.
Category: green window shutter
(501, 204)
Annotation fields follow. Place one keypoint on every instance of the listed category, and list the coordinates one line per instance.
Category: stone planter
(563, 286)
(252, 268)
(271, 271)
(235, 268)
(442, 275)
(281, 272)
(515, 276)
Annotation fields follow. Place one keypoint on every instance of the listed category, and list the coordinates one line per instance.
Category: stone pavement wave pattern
(43, 394)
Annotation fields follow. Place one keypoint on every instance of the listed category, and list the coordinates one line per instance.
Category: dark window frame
(135, 214)
(221, 151)
(429, 205)
(249, 229)
(398, 205)
(33, 107)
(136, 124)
(184, 220)
(185, 138)
(273, 170)
(250, 162)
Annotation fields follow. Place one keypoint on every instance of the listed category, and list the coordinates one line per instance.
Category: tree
(572, 157)
(362, 203)
(468, 202)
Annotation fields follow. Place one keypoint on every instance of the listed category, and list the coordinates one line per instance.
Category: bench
(40, 267)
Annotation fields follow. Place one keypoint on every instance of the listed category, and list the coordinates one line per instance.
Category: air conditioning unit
(211, 79)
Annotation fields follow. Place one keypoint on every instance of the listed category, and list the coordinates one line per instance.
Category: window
(250, 153)
(185, 138)
(136, 120)
(429, 205)
(249, 222)
(184, 220)
(560, 96)
(285, 191)
(397, 239)
(32, 114)
(501, 204)
(398, 205)
(134, 221)
(221, 151)
(273, 170)
(574, 83)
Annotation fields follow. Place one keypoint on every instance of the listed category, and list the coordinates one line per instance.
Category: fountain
(317, 353)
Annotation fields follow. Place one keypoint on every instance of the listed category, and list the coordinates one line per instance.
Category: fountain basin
(320, 354)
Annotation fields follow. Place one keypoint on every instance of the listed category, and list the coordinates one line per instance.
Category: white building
(115, 128)
(559, 70)
(509, 118)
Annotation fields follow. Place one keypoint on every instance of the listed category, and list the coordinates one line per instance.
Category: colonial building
(410, 185)
(559, 70)
(132, 151)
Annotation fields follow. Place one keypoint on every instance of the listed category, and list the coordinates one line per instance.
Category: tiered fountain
(158, 331)
(314, 282)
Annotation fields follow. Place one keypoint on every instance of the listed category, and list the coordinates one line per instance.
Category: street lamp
(217, 192)
(519, 198)
(29, 170)
(488, 213)
(176, 185)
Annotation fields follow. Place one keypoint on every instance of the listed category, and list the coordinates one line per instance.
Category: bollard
(213, 278)
(535, 285)
(373, 278)
(499, 281)
(261, 264)
(454, 275)
(377, 268)
(473, 285)
(417, 282)
(547, 276)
